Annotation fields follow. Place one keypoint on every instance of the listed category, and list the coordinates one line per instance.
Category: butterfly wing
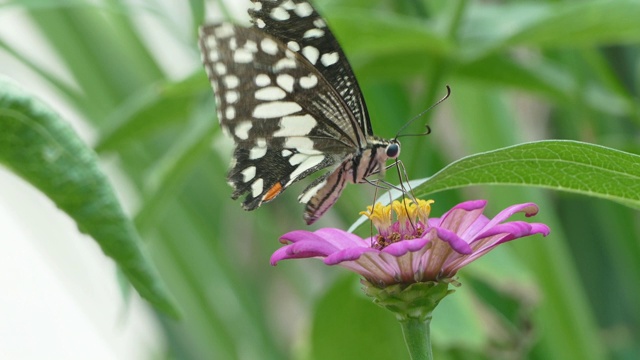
(298, 25)
(286, 120)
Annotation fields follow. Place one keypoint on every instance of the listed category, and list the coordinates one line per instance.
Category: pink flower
(413, 247)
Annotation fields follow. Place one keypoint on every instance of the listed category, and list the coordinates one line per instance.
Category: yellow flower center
(379, 215)
(411, 220)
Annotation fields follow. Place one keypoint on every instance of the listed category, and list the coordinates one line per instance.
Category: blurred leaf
(69, 92)
(546, 78)
(41, 148)
(347, 325)
(169, 172)
(374, 33)
(197, 8)
(457, 322)
(101, 49)
(152, 109)
(366, 331)
(571, 166)
(586, 23)
(573, 24)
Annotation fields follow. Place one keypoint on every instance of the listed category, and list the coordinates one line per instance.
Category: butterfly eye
(393, 150)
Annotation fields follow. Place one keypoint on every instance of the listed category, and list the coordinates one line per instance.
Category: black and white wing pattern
(298, 25)
(287, 96)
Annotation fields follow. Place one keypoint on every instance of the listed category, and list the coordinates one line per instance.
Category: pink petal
(340, 238)
(302, 249)
(461, 218)
(530, 209)
(402, 247)
(349, 254)
(457, 243)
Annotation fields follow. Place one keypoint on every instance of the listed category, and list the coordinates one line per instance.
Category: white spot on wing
(303, 9)
(319, 23)
(329, 58)
(263, 80)
(301, 144)
(269, 46)
(214, 55)
(279, 13)
(231, 81)
(270, 93)
(311, 54)
(284, 63)
(286, 153)
(230, 113)
(306, 165)
(289, 5)
(256, 187)
(242, 56)
(224, 31)
(248, 174)
(294, 46)
(242, 129)
(257, 152)
(251, 46)
(309, 82)
(297, 159)
(232, 96)
(285, 81)
(220, 68)
(313, 33)
(300, 125)
(211, 41)
(275, 109)
(260, 23)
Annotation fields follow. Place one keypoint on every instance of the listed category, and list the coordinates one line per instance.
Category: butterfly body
(287, 96)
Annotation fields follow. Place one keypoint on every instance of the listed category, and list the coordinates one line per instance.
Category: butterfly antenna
(398, 134)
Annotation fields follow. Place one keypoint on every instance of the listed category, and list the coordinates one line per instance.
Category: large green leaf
(571, 166)
(40, 147)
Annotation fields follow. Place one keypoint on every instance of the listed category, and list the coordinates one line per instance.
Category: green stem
(417, 336)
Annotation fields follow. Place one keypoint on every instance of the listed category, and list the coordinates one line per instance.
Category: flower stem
(417, 336)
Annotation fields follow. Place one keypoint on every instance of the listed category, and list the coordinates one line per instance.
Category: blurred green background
(519, 71)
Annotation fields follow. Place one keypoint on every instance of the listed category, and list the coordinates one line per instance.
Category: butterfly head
(393, 149)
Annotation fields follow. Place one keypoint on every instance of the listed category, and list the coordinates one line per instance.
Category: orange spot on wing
(273, 192)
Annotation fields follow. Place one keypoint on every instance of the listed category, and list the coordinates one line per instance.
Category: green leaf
(374, 33)
(41, 148)
(563, 24)
(547, 78)
(570, 166)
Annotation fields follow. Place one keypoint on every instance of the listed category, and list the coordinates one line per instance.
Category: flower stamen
(380, 216)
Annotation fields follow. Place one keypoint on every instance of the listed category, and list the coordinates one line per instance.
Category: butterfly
(288, 97)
